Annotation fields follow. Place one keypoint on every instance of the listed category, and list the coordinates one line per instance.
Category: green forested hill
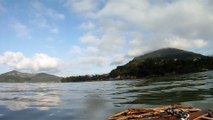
(164, 62)
(15, 76)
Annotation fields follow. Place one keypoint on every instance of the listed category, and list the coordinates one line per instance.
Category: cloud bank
(127, 28)
(38, 63)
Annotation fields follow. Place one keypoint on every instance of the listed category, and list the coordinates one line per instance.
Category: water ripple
(79, 101)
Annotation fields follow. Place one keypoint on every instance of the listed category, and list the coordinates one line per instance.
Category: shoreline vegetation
(159, 63)
(93, 78)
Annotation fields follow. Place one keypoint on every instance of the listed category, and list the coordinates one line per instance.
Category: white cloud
(111, 44)
(86, 7)
(21, 29)
(183, 43)
(98, 53)
(177, 17)
(138, 45)
(76, 51)
(105, 45)
(103, 51)
(128, 28)
(38, 63)
(90, 39)
(187, 19)
(87, 60)
(94, 60)
(200, 43)
(88, 56)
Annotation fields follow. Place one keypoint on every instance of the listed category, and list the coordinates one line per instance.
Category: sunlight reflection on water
(24, 95)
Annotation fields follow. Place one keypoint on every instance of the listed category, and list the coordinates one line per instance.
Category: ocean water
(98, 100)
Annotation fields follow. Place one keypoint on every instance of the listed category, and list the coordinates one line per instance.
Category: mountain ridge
(16, 76)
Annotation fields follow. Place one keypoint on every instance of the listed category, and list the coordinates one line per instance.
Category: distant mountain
(165, 61)
(16, 76)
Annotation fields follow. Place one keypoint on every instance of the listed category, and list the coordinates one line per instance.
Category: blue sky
(77, 37)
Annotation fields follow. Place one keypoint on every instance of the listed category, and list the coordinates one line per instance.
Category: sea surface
(98, 100)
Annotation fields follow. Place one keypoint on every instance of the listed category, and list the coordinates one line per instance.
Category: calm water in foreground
(98, 100)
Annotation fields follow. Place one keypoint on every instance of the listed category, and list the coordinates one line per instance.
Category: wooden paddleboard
(173, 112)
